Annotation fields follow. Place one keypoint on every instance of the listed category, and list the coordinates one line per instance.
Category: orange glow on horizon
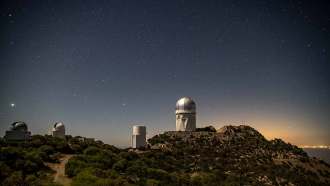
(297, 131)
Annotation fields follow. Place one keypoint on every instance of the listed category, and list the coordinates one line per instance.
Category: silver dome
(185, 104)
(19, 125)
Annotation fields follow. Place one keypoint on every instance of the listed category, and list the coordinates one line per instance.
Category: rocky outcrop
(242, 152)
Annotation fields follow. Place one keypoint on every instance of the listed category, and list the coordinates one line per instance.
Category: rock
(241, 151)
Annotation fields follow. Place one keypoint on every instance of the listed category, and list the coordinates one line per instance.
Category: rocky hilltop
(242, 154)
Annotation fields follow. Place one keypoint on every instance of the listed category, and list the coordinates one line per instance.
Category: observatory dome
(19, 125)
(185, 105)
(58, 126)
(18, 131)
(58, 130)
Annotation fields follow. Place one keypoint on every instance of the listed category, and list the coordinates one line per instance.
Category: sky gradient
(102, 66)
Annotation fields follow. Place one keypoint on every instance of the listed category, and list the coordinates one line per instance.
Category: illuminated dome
(58, 126)
(58, 130)
(185, 105)
(19, 125)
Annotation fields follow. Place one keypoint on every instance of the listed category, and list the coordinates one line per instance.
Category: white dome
(185, 104)
(58, 126)
(58, 130)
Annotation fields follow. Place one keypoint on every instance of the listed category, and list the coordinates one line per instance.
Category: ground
(59, 168)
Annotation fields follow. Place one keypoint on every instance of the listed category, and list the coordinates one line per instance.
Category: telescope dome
(185, 104)
(19, 125)
(58, 126)
(58, 130)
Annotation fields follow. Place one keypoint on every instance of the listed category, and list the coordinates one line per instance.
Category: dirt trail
(59, 168)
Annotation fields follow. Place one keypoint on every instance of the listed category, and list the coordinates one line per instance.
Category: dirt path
(59, 168)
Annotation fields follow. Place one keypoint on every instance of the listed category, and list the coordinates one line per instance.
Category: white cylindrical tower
(185, 114)
(58, 130)
(139, 136)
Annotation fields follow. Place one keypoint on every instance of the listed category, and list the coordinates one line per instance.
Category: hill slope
(243, 155)
(232, 155)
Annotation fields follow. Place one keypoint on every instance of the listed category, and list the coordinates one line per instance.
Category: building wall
(185, 122)
(59, 133)
(17, 135)
(138, 141)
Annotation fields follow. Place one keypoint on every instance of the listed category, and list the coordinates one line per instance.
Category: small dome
(19, 125)
(186, 104)
(58, 126)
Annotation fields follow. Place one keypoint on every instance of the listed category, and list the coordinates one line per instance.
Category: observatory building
(58, 130)
(185, 114)
(139, 136)
(18, 132)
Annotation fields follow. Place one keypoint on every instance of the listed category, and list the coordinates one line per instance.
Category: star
(309, 45)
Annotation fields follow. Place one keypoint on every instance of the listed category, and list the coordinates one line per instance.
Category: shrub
(92, 150)
(120, 165)
(74, 166)
(206, 129)
(16, 178)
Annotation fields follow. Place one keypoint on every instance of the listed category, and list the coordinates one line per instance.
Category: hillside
(232, 155)
(241, 155)
(39, 161)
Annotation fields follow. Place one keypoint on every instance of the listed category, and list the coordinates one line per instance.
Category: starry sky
(102, 66)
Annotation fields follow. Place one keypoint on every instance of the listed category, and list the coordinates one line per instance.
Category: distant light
(12, 105)
(315, 146)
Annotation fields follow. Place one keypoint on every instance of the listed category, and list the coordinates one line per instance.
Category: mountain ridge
(241, 147)
(231, 155)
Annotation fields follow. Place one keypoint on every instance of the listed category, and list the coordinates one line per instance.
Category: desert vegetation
(230, 156)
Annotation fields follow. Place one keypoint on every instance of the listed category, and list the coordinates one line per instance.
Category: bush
(92, 150)
(85, 177)
(15, 178)
(47, 149)
(138, 168)
(5, 171)
(152, 182)
(74, 166)
(120, 165)
(206, 129)
(157, 174)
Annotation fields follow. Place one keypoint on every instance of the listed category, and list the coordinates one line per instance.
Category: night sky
(102, 66)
